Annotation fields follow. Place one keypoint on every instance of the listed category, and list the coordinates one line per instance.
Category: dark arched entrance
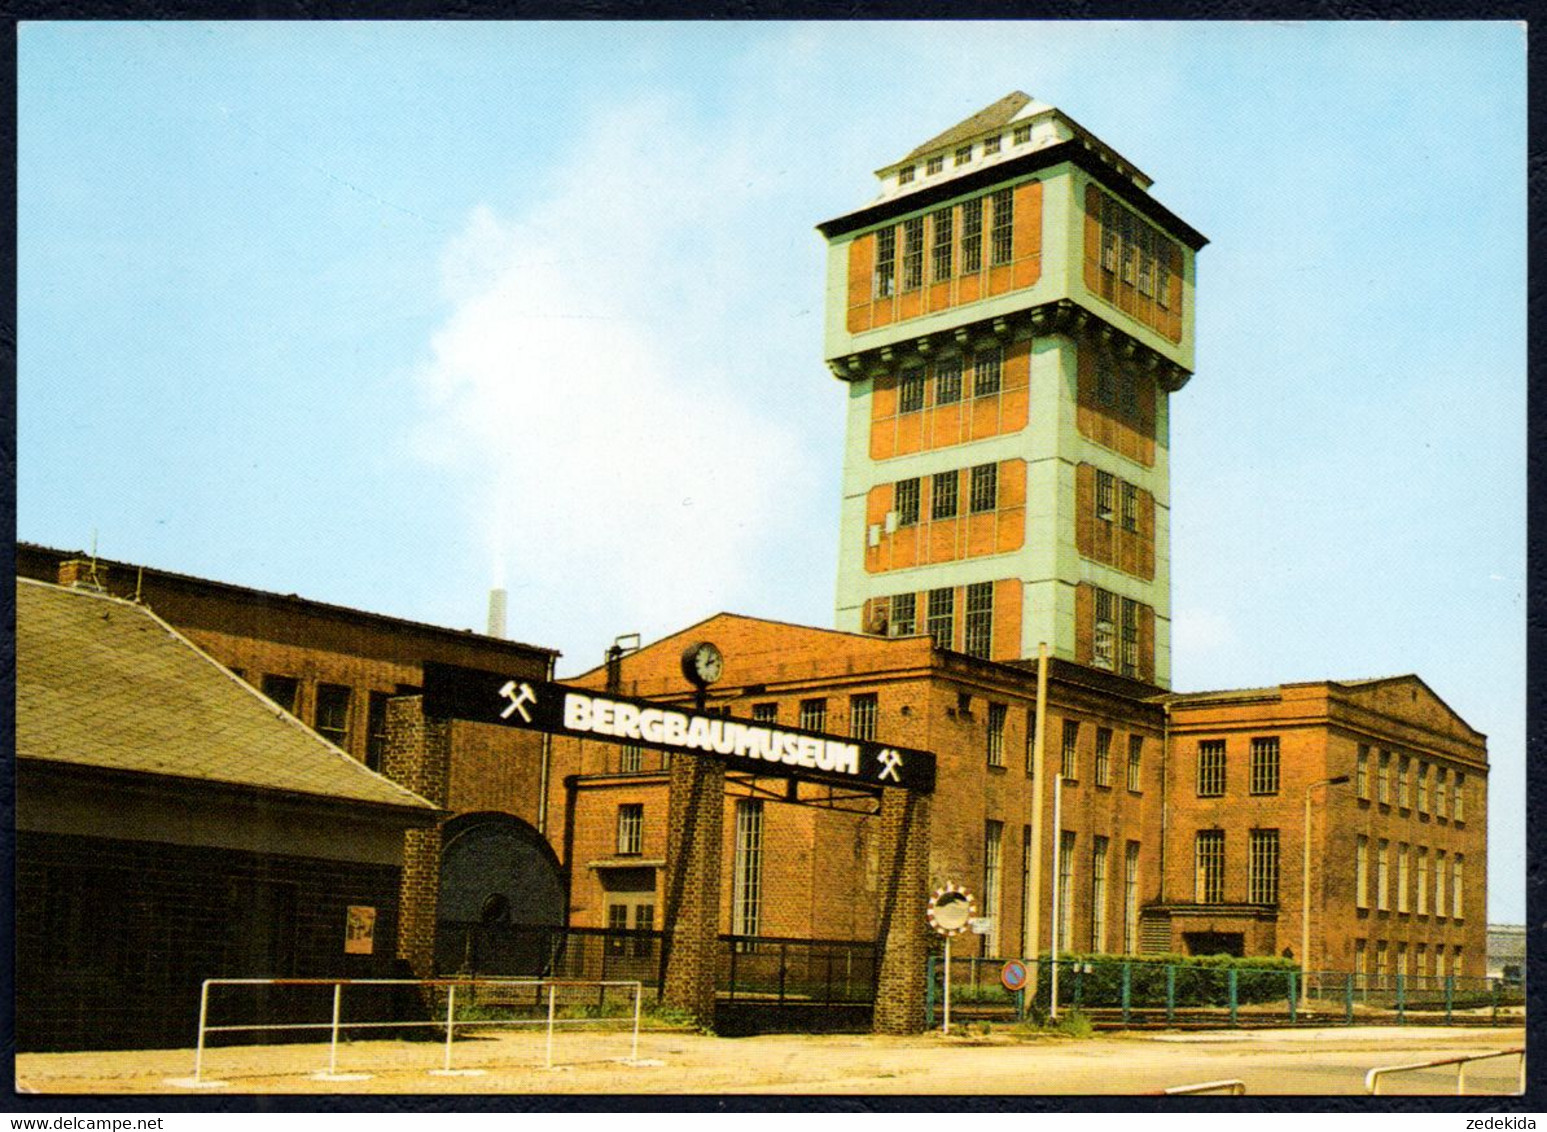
(500, 887)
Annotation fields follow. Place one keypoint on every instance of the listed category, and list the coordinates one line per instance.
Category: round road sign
(950, 910)
(1013, 975)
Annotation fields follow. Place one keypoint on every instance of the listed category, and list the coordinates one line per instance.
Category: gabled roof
(105, 684)
(998, 114)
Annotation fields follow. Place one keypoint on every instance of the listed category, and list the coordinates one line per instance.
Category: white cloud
(582, 391)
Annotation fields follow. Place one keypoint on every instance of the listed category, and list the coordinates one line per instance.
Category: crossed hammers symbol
(519, 696)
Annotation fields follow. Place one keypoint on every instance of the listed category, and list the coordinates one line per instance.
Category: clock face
(702, 664)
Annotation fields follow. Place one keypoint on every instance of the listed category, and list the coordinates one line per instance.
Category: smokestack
(497, 613)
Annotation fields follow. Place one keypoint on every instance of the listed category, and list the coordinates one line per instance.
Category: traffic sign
(1013, 975)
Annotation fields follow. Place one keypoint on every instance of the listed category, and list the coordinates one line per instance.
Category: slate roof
(999, 114)
(104, 683)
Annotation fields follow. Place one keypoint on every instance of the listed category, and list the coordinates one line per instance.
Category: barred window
(972, 235)
(1131, 899)
(985, 488)
(1423, 787)
(1003, 232)
(886, 263)
(942, 615)
(1383, 876)
(747, 868)
(1130, 664)
(991, 143)
(906, 503)
(1103, 637)
(769, 713)
(630, 759)
(862, 716)
(1440, 865)
(934, 165)
(1211, 768)
(1362, 772)
(1105, 485)
(631, 829)
(1065, 886)
(979, 629)
(905, 175)
(1262, 867)
(1209, 862)
(1403, 879)
(1458, 799)
(1098, 894)
(1455, 886)
(813, 714)
(1265, 765)
(1103, 756)
(940, 258)
(910, 392)
(942, 495)
(985, 372)
(1361, 872)
(1423, 881)
(963, 154)
(1130, 507)
(1383, 779)
(1022, 135)
(948, 381)
(913, 253)
(993, 847)
(1135, 755)
(1403, 769)
(904, 620)
(996, 718)
(1069, 765)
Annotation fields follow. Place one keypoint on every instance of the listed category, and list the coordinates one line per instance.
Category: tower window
(943, 502)
(972, 235)
(1146, 242)
(862, 716)
(1104, 635)
(1262, 867)
(913, 253)
(980, 621)
(907, 502)
(910, 391)
(940, 267)
(1022, 135)
(904, 622)
(948, 381)
(985, 372)
(1211, 768)
(1130, 630)
(1128, 392)
(886, 263)
(942, 615)
(985, 487)
(1265, 765)
(1105, 489)
(813, 714)
(991, 143)
(934, 165)
(963, 154)
(1003, 232)
(1130, 507)
(1106, 382)
(905, 174)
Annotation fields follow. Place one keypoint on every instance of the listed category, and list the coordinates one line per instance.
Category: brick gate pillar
(694, 830)
(418, 756)
(903, 935)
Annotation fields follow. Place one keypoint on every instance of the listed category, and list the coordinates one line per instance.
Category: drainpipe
(544, 767)
(1033, 928)
(1165, 790)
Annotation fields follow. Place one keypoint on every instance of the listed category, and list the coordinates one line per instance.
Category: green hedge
(1200, 980)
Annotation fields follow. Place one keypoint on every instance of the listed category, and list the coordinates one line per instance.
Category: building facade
(1011, 316)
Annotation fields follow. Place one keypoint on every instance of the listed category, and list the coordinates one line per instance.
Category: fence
(808, 972)
(1155, 990)
(1375, 1077)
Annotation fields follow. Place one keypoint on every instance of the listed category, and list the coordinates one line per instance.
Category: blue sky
(386, 314)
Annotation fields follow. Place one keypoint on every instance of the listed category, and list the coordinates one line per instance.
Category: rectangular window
(985, 488)
(1026, 943)
(905, 175)
(1126, 225)
(886, 263)
(813, 715)
(1104, 635)
(644, 921)
(1362, 773)
(1106, 382)
(1441, 785)
(631, 829)
(1098, 895)
(1022, 135)
(1002, 235)
(1262, 867)
(1403, 879)
(1209, 862)
(913, 254)
(1362, 872)
(1423, 880)
(910, 391)
(1135, 757)
(1065, 889)
(948, 381)
(1131, 899)
(905, 609)
(972, 236)
(942, 495)
(993, 844)
(282, 690)
(747, 868)
(978, 636)
(1423, 787)
(1162, 275)
(1031, 742)
(1106, 490)
(906, 502)
(1402, 961)
(1383, 876)
(942, 616)
(940, 266)
(1361, 965)
(1382, 965)
(1069, 765)
(934, 165)
(1455, 886)
(1265, 765)
(1130, 639)
(862, 716)
(996, 718)
(769, 713)
(1383, 779)
(986, 365)
(1458, 799)
(1440, 865)
(963, 154)
(617, 921)
(1130, 507)
(376, 729)
(631, 759)
(1211, 768)
(1128, 391)
(1103, 756)
(1146, 260)
(1403, 769)
(991, 143)
(1455, 961)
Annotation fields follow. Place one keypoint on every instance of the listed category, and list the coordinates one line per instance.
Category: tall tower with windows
(1010, 316)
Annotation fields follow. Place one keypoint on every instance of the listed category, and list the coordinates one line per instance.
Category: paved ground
(1305, 1062)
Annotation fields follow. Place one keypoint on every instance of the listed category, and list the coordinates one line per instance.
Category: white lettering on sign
(598, 716)
(890, 761)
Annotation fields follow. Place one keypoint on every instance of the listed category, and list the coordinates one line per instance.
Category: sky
(387, 314)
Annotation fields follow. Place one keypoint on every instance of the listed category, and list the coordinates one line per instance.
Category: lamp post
(1305, 893)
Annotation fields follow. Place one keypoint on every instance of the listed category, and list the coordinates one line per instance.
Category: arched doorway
(502, 898)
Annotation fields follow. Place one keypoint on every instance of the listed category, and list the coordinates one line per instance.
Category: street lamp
(1305, 894)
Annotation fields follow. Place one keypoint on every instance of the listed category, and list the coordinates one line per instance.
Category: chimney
(497, 613)
(83, 573)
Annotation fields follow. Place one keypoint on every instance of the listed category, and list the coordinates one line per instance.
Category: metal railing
(1373, 1079)
(1234, 1087)
(809, 972)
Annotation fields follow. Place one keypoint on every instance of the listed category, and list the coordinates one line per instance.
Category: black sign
(451, 692)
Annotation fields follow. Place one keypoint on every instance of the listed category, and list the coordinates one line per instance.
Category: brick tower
(1011, 315)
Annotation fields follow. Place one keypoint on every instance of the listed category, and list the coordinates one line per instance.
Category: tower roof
(995, 116)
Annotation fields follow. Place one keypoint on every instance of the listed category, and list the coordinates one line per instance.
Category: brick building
(172, 826)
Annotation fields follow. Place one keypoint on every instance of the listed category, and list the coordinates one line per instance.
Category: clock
(702, 664)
